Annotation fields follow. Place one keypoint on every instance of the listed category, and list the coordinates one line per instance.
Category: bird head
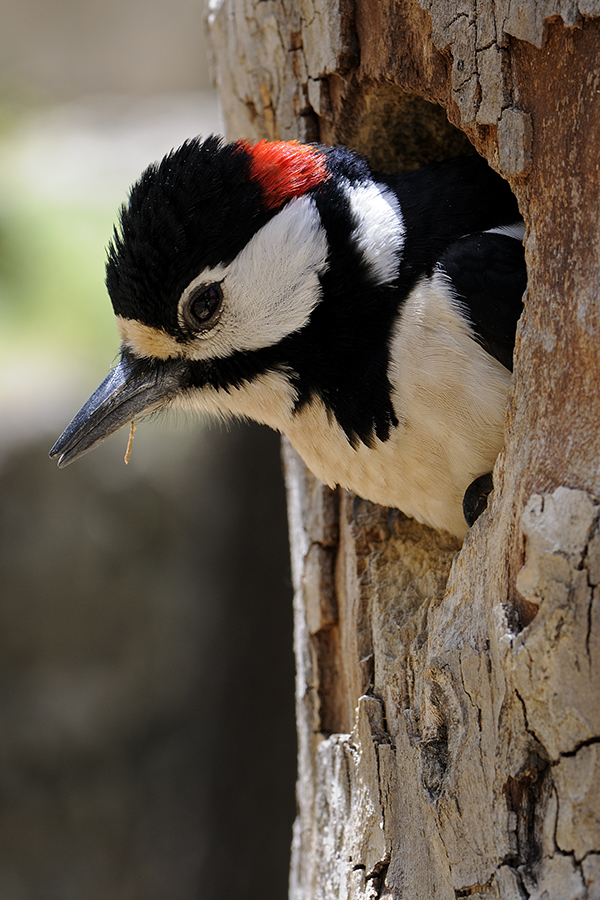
(217, 271)
(218, 253)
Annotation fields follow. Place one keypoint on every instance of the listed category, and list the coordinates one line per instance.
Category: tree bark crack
(567, 754)
(473, 889)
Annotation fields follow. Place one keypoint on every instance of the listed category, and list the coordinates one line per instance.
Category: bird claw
(476, 498)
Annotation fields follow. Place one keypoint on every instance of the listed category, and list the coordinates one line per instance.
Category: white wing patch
(516, 231)
(379, 233)
(271, 287)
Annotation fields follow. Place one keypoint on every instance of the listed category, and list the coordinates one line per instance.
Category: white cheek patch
(379, 233)
(271, 287)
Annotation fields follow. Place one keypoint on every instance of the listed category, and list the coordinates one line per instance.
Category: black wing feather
(489, 276)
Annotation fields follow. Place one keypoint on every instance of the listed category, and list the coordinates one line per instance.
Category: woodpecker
(369, 317)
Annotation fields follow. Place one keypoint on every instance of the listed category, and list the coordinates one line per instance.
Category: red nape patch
(284, 169)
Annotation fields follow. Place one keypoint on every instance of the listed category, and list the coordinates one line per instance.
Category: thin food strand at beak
(130, 442)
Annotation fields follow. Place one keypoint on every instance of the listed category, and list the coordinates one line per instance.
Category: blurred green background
(146, 672)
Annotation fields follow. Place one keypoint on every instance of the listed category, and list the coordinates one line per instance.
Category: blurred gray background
(147, 743)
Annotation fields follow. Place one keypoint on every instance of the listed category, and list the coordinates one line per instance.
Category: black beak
(133, 387)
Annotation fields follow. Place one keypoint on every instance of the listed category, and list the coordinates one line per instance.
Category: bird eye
(202, 307)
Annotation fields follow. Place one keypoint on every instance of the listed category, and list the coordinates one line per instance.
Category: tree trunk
(448, 699)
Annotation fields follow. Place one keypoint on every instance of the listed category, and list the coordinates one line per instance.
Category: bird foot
(476, 498)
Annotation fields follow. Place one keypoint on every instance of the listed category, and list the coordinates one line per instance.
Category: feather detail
(285, 169)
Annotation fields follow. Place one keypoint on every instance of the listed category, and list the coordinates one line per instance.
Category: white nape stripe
(516, 231)
(271, 287)
(379, 233)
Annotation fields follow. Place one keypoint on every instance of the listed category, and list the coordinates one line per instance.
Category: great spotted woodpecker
(371, 318)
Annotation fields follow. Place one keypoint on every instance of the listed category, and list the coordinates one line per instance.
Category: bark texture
(448, 699)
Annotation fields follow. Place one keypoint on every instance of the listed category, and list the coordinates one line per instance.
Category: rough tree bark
(448, 699)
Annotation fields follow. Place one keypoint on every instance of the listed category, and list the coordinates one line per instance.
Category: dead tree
(448, 700)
